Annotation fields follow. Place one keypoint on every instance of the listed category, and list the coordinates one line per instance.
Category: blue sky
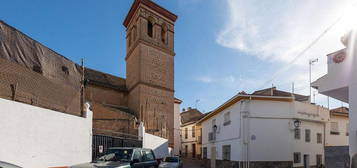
(222, 46)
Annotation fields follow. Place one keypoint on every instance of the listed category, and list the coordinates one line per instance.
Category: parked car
(171, 162)
(8, 165)
(124, 158)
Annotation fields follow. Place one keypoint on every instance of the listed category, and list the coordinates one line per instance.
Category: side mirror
(135, 161)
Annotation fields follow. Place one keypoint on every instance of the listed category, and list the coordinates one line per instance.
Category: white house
(337, 130)
(269, 128)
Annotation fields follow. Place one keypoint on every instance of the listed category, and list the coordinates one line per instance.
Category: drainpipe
(246, 133)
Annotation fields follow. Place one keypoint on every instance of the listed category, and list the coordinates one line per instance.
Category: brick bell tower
(150, 66)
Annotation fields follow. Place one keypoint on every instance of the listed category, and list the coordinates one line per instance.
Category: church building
(147, 93)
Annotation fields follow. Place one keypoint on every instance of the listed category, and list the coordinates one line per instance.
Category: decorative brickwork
(150, 68)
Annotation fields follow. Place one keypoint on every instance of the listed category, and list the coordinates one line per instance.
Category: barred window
(297, 133)
(226, 152)
(307, 135)
(297, 157)
(227, 118)
(319, 138)
(334, 128)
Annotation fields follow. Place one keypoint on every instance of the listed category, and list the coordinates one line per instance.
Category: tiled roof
(102, 79)
(340, 111)
(274, 92)
(191, 115)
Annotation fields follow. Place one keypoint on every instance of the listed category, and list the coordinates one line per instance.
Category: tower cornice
(152, 6)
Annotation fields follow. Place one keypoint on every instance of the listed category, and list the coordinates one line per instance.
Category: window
(148, 155)
(163, 34)
(227, 118)
(297, 133)
(318, 160)
(186, 133)
(226, 152)
(137, 155)
(186, 150)
(347, 129)
(65, 70)
(307, 135)
(193, 131)
(150, 29)
(334, 128)
(37, 69)
(204, 152)
(297, 157)
(319, 138)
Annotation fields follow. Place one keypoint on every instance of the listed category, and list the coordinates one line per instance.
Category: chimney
(189, 108)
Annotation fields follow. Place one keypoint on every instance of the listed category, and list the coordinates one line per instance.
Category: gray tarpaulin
(34, 74)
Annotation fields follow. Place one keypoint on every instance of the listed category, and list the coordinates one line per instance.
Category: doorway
(193, 150)
(306, 161)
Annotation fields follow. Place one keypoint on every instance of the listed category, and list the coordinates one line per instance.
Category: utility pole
(311, 62)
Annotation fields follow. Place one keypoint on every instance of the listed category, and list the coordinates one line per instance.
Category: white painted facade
(340, 83)
(34, 137)
(177, 120)
(263, 130)
(341, 138)
(159, 145)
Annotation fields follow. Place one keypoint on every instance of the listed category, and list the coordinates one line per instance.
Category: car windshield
(123, 155)
(171, 159)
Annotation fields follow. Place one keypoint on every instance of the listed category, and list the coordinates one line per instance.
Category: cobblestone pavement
(191, 163)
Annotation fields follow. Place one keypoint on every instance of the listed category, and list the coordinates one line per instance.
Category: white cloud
(278, 30)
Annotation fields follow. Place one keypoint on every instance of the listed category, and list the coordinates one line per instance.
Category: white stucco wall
(311, 148)
(269, 130)
(34, 137)
(342, 138)
(159, 145)
(226, 135)
(177, 139)
(353, 95)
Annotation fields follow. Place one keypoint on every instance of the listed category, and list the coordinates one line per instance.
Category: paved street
(189, 163)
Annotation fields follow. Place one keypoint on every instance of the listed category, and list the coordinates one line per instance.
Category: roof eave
(236, 99)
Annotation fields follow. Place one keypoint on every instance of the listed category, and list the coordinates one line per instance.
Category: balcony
(335, 82)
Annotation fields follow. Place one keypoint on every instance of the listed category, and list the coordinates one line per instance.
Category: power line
(287, 66)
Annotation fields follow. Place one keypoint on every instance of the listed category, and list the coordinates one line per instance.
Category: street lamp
(311, 62)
